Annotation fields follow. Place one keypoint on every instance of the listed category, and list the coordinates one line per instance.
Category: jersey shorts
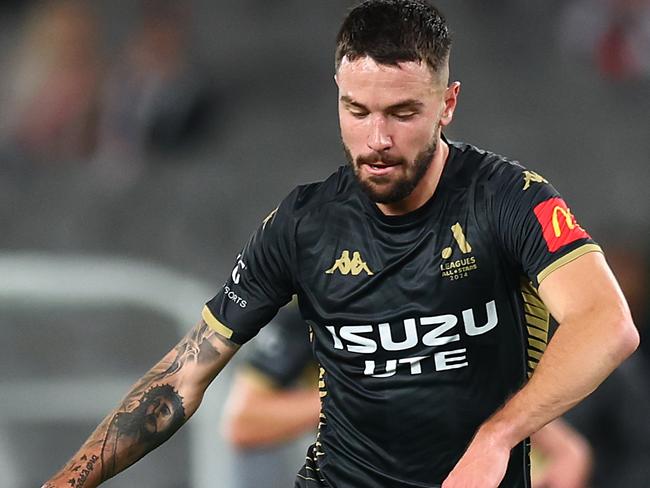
(423, 324)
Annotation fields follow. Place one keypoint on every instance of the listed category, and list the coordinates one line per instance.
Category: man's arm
(567, 454)
(258, 414)
(156, 407)
(595, 335)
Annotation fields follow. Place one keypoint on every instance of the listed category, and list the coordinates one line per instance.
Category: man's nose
(379, 138)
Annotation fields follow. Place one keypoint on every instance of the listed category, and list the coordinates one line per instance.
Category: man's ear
(450, 101)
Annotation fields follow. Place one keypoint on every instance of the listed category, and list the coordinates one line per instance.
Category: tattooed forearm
(83, 470)
(155, 408)
(198, 346)
(133, 433)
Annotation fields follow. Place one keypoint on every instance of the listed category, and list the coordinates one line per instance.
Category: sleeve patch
(559, 226)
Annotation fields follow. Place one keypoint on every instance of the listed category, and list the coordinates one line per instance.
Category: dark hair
(392, 31)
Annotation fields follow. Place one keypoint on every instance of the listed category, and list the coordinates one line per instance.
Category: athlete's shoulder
(335, 188)
(305, 200)
(489, 168)
(484, 164)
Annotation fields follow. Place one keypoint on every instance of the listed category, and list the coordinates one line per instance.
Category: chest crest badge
(465, 262)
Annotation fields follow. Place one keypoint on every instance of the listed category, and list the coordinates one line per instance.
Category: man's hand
(568, 456)
(483, 465)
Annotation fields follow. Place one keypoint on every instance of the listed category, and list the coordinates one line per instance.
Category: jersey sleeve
(281, 353)
(534, 224)
(261, 280)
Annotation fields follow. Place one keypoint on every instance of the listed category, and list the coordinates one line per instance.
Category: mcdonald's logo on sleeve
(559, 226)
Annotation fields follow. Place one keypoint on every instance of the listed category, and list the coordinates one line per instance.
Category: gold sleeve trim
(214, 324)
(567, 258)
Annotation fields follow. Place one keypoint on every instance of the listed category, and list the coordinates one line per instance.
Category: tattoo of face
(158, 414)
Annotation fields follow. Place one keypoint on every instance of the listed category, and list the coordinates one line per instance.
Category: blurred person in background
(427, 269)
(273, 401)
(613, 35)
(614, 420)
(158, 95)
(54, 87)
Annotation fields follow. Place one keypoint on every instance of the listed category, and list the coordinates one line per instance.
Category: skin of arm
(595, 335)
(259, 414)
(568, 454)
(156, 407)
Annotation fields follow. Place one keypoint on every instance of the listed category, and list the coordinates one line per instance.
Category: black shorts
(309, 475)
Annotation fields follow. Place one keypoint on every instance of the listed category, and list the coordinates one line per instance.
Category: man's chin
(380, 193)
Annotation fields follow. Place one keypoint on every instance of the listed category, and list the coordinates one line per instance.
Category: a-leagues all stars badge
(456, 269)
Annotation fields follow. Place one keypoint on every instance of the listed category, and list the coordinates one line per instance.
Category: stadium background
(141, 142)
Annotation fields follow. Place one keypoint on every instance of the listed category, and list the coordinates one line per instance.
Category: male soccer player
(427, 270)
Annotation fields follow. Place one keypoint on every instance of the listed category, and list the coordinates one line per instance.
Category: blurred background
(141, 142)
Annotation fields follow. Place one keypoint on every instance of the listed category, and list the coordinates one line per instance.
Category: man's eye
(357, 114)
(404, 115)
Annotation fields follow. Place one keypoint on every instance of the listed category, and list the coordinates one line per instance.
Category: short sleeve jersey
(423, 324)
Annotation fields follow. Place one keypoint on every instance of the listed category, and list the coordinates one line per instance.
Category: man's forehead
(368, 65)
(410, 79)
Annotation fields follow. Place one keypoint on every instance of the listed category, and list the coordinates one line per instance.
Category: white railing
(97, 280)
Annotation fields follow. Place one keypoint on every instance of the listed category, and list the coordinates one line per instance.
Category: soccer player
(426, 269)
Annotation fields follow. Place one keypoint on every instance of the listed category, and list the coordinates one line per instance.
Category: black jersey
(423, 324)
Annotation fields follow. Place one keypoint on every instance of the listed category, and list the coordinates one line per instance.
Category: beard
(390, 188)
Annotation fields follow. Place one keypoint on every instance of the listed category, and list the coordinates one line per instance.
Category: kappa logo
(532, 177)
(346, 266)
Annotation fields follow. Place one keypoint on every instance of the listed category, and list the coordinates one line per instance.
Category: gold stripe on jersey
(567, 258)
(322, 388)
(322, 420)
(214, 324)
(537, 320)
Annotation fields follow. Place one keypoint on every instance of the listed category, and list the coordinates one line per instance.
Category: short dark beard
(401, 188)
